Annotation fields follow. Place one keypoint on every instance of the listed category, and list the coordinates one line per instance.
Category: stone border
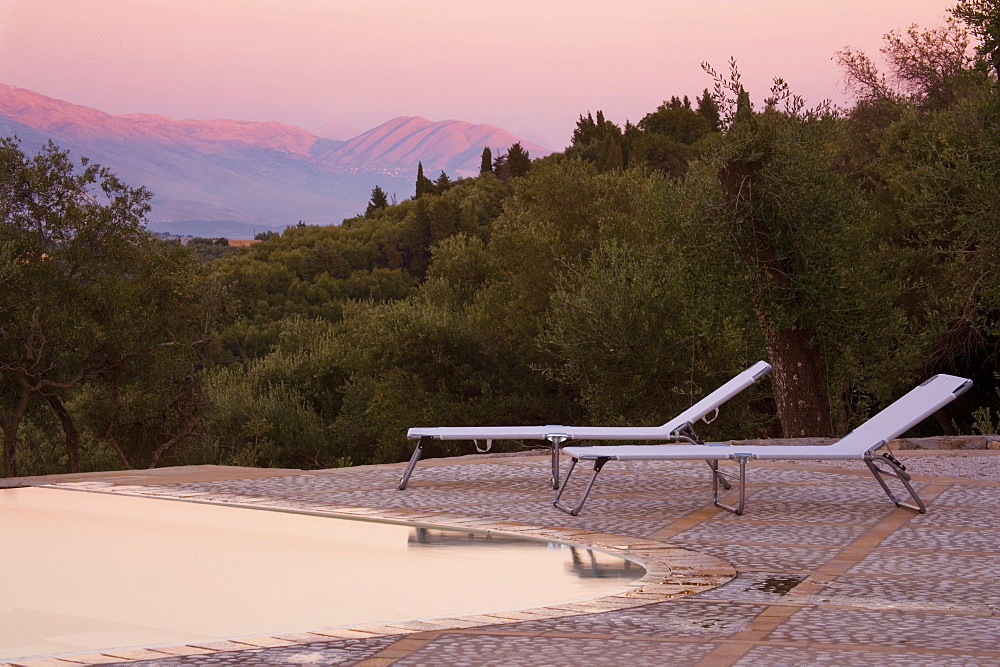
(671, 572)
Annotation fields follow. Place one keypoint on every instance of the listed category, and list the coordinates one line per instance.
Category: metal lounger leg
(418, 450)
(556, 440)
(738, 508)
(899, 472)
(573, 511)
(714, 465)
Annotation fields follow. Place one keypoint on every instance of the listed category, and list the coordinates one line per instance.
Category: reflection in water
(590, 564)
(585, 563)
(432, 537)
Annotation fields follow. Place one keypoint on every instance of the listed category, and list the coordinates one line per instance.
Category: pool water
(89, 571)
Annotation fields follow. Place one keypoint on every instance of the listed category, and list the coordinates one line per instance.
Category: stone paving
(821, 568)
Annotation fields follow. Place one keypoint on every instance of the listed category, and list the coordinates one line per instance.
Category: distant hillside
(225, 174)
(453, 146)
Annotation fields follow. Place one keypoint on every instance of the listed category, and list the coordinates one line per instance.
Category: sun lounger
(859, 445)
(680, 427)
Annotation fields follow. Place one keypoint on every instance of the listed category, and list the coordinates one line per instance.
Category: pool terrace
(820, 568)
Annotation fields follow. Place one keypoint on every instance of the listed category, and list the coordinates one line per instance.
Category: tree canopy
(614, 283)
(93, 306)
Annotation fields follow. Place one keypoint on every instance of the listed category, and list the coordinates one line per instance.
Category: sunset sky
(529, 66)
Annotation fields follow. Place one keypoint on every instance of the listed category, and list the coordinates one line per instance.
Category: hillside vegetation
(614, 283)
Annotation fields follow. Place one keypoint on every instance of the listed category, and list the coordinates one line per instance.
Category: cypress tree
(486, 165)
(424, 184)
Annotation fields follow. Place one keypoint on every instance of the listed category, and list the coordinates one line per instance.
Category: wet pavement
(820, 568)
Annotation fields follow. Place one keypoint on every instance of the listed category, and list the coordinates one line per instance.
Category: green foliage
(515, 163)
(424, 185)
(615, 284)
(645, 350)
(95, 304)
(983, 421)
(442, 183)
(709, 110)
(275, 412)
(983, 19)
(677, 120)
(928, 68)
(518, 161)
(486, 166)
(666, 139)
(599, 142)
(940, 185)
(312, 271)
(379, 200)
(209, 250)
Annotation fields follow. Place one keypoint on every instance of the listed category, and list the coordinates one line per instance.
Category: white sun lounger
(859, 445)
(680, 427)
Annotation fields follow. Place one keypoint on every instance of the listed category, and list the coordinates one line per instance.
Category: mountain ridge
(262, 174)
(447, 145)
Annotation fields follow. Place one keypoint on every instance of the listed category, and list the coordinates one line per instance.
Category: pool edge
(671, 572)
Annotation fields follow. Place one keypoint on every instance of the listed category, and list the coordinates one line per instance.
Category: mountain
(238, 175)
(452, 146)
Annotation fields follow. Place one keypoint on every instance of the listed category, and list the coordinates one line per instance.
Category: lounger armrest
(714, 400)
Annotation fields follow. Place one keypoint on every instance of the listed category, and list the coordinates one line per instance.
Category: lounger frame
(861, 444)
(678, 428)
(874, 462)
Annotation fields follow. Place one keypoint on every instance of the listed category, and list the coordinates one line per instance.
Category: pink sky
(529, 66)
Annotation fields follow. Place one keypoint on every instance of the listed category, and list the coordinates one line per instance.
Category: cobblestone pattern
(769, 558)
(687, 618)
(669, 504)
(780, 476)
(944, 516)
(968, 496)
(858, 491)
(762, 533)
(948, 589)
(908, 629)
(759, 587)
(288, 484)
(458, 651)
(341, 652)
(942, 538)
(978, 567)
(781, 656)
(809, 512)
(469, 499)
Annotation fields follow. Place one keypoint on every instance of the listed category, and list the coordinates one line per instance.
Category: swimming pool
(89, 571)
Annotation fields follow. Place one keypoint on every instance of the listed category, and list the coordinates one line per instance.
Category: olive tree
(90, 298)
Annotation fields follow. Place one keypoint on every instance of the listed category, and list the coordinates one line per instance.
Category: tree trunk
(72, 436)
(798, 375)
(188, 430)
(109, 433)
(799, 381)
(10, 426)
(9, 447)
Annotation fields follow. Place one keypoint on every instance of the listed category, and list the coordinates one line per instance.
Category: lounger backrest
(719, 396)
(915, 406)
